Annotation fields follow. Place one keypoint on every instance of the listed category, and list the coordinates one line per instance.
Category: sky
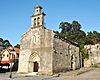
(15, 15)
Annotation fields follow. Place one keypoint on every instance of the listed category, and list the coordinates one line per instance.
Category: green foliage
(1, 40)
(65, 26)
(72, 31)
(15, 60)
(6, 43)
(84, 53)
(93, 37)
(17, 46)
(1, 44)
(75, 25)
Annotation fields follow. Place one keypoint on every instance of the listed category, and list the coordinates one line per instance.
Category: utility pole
(11, 55)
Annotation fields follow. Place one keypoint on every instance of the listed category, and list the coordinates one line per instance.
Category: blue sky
(15, 15)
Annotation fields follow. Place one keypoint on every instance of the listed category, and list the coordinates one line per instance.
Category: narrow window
(60, 53)
(91, 52)
(55, 52)
(38, 19)
(66, 54)
(35, 22)
(7, 55)
(97, 47)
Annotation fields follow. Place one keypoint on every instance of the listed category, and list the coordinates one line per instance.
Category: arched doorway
(36, 66)
(34, 63)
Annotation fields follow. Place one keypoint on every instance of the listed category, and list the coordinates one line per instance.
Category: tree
(1, 44)
(65, 26)
(72, 31)
(6, 43)
(1, 40)
(75, 25)
(17, 46)
(92, 37)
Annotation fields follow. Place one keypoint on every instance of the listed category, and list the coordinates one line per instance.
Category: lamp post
(10, 76)
(0, 57)
(11, 55)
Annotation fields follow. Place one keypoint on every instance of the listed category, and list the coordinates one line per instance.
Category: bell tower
(38, 17)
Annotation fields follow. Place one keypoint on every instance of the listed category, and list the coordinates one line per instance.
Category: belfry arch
(34, 63)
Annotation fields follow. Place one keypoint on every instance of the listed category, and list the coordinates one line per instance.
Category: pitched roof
(11, 48)
(38, 6)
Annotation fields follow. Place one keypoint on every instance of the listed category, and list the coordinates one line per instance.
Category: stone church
(42, 51)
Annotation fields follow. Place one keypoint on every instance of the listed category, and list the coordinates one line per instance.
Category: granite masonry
(94, 55)
(43, 52)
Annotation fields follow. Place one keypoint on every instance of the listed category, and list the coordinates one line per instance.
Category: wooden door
(35, 67)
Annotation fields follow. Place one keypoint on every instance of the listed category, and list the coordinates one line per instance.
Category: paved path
(91, 75)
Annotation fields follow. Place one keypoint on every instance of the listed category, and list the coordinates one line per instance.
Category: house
(17, 52)
(43, 52)
(8, 55)
(6, 58)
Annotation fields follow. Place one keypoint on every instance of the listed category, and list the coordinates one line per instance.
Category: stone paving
(93, 74)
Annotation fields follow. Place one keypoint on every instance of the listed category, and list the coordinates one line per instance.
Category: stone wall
(94, 54)
(37, 41)
(46, 52)
(25, 52)
(63, 52)
(54, 55)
